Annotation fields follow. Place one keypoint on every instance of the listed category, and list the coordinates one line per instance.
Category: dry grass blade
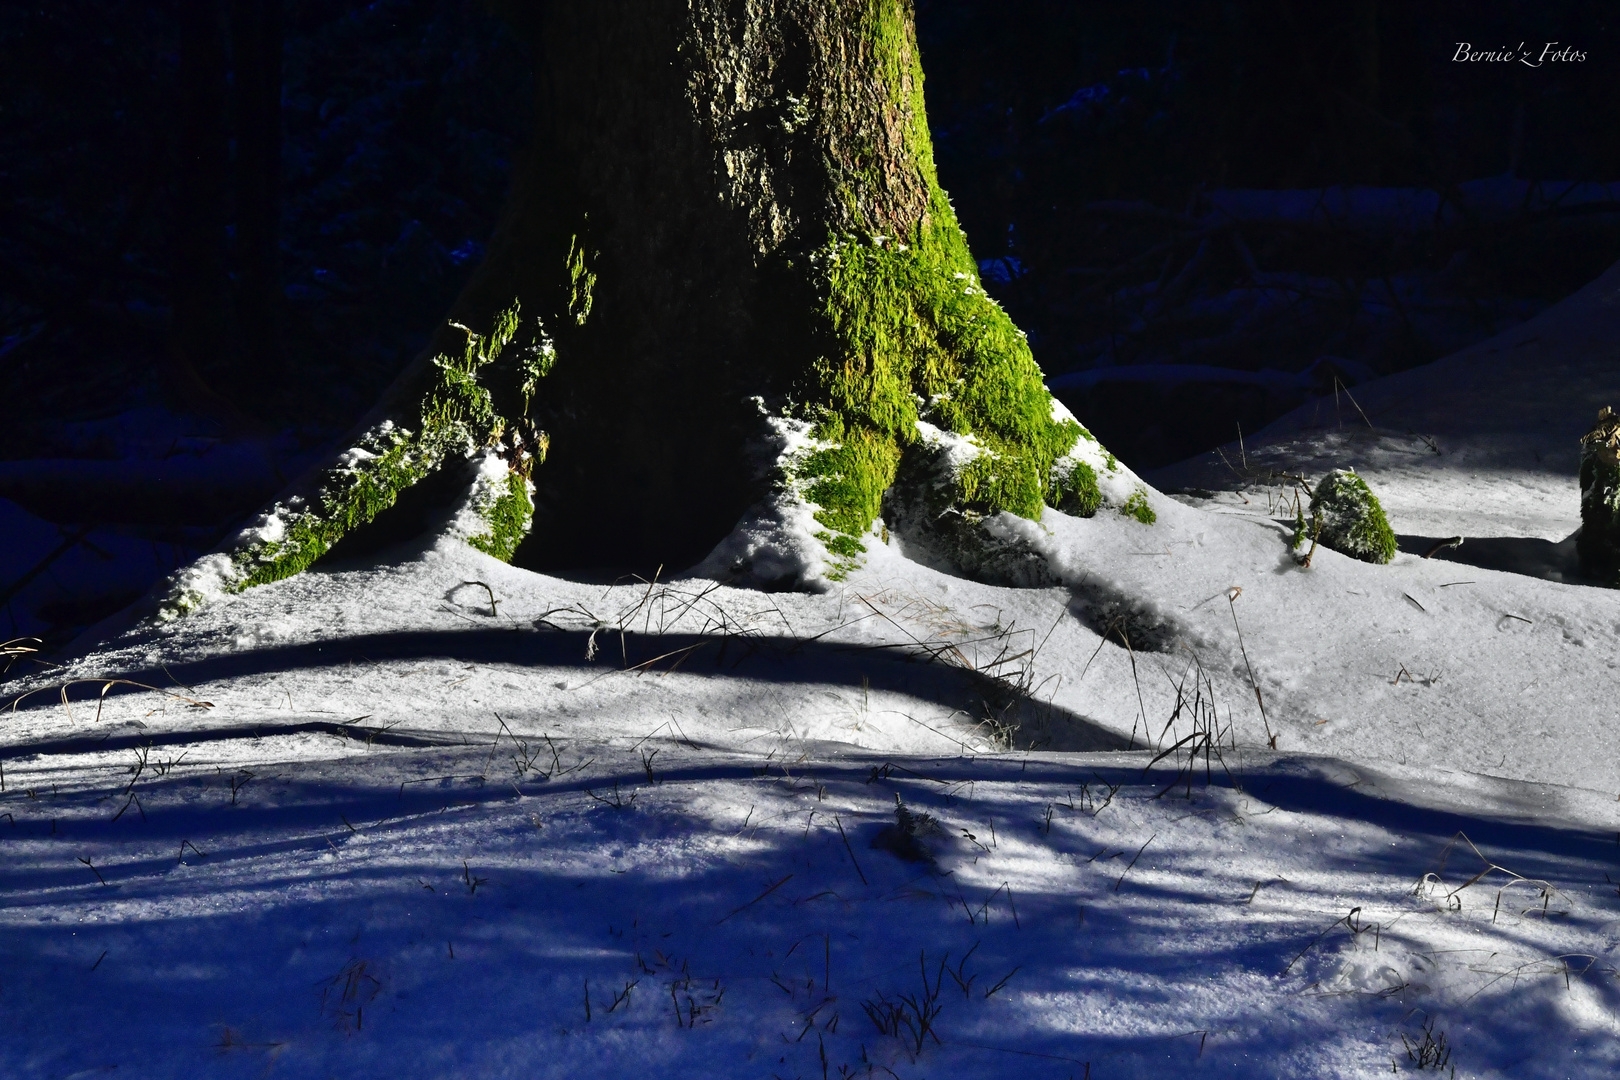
(1545, 890)
(345, 995)
(758, 898)
(485, 586)
(17, 648)
(1138, 855)
(1563, 968)
(1231, 599)
(1349, 921)
(910, 1016)
(106, 685)
(841, 834)
(1337, 386)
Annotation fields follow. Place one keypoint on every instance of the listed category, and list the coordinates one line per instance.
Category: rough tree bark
(727, 286)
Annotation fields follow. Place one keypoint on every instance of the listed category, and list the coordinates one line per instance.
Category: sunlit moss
(1138, 507)
(1598, 544)
(909, 334)
(456, 418)
(509, 517)
(1352, 520)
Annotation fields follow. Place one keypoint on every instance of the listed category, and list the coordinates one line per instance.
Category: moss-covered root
(1352, 521)
(449, 421)
(922, 384)
(497, 510)
(1599, 542)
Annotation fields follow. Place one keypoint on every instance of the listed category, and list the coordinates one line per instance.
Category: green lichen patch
(1598, 544)
(1352, 521)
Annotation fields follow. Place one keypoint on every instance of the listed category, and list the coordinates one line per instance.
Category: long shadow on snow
(896, 668)
(1528, 555)
(524, 931)
(1291, 785)
(1298, 785)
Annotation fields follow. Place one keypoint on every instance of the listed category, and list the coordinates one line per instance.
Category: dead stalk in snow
(1207, 737)
(910, 1017)
(1430, 883)
(1350, 921)
(17, 648)
(616, 799)
(106, 685)
(1132, 865)
(493, 611)
(847, 847)
(1231, 599)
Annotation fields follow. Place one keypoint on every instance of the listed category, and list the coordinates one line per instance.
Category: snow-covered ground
(1484, 443)
(436, 816)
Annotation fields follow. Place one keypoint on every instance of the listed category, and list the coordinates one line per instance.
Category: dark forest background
(225, 225)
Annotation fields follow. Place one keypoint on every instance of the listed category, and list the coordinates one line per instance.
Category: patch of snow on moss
(203, 582)
(1116, 482)
(470, 517)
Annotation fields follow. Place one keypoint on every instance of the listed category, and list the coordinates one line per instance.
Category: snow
(778, 539)
(89, 563)
(1484, 443)
(405, 816)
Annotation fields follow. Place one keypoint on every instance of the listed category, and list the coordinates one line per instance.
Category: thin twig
(758, 898)
(1138, 855)
(850, 849)
(1231, 600)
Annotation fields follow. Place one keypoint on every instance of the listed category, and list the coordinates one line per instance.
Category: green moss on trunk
(455, 419)
(909, 334)
(508, 517)
(725, 203)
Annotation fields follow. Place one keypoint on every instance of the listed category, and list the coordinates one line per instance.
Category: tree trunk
(200, 290)
(727, 285)
(256, 48)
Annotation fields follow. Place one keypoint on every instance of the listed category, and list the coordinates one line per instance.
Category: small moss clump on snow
(1138, 507)
(1599, 542)
(1352, 521)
